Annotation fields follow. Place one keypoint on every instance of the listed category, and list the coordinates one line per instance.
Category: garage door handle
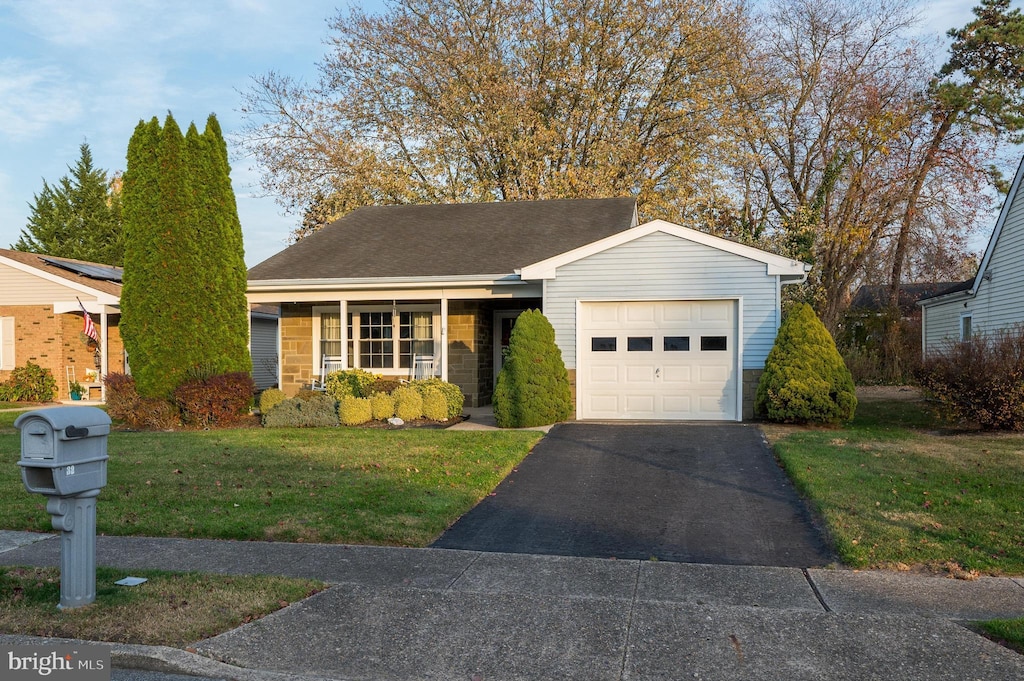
(657, 372)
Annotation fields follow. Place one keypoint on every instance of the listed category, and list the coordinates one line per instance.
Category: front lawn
(345, 485)
(170, 609)
(897, 492)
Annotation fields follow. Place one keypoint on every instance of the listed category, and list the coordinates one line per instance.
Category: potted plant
(76, 390)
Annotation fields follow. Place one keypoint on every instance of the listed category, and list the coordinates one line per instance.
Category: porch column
(103, 352)
(343, 323)
(444, 339)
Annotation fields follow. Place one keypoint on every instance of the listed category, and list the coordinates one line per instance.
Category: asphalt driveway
(695, 493)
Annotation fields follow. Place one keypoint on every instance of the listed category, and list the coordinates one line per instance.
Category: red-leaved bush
(979, 380)
(220, 400)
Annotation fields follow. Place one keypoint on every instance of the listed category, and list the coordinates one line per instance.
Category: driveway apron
(682, 492)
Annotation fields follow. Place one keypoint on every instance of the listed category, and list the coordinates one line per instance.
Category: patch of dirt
(875, 393)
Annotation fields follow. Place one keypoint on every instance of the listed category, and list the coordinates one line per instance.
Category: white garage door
(657, 360)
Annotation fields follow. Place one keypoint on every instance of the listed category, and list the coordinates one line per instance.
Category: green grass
(171, 609)
(894, 492)
(1009, 633)
(364, 486)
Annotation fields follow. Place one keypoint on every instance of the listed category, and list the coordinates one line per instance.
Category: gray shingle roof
(447, 240)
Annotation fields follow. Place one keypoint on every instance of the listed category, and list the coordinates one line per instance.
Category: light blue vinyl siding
(999, 303)
(662, 266)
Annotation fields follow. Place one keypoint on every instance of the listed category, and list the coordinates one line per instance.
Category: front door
(504, 320)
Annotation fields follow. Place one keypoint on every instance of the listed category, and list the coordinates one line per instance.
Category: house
(41, 318)
(41, 321)
(994, 298)
(864, 320)
(654, 321)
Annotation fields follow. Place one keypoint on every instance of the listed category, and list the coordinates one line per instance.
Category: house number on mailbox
(69, 470)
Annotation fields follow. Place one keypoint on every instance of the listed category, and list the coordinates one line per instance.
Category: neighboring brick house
(41, 319)
(654, 321)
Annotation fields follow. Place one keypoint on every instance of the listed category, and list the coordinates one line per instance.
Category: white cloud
(33, 98)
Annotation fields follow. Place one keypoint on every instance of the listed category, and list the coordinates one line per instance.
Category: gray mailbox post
(64, 457)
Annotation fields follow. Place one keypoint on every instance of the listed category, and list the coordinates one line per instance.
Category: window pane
(713, 343)
(330, 334)
(677, 343)
(602, 344)
(416, 336)
(640, 344)
(376, 348)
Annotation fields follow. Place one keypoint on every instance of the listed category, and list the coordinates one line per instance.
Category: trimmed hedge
(435, 406)
(221, 400)
(316, 411)
(350, 383)
(355, 411)
(270, 398)
(452, 394)
(382, 406)
(408, 403)
(805, 379)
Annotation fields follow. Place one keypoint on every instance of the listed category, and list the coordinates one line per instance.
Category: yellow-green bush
(350, 382)
(805, 379)
(382, 405)
(435, 406)
(452, 394)
(408, 403)
(270, 398)
(354, 411)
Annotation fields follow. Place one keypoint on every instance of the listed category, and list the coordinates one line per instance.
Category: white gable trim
(791, 270)
(1007, 204)
(1011, 196)
(100, 296)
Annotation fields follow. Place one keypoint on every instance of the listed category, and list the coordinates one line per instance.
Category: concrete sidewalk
(403, 614)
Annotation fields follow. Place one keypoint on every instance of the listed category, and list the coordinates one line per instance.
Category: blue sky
(74, 71)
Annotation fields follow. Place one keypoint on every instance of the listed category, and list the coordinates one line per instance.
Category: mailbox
(64, 450)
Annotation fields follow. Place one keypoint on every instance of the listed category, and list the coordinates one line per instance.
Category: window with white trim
(380, 339)
(966, 322)
(6, 343)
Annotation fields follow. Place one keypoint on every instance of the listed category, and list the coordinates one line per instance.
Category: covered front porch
(460, 334)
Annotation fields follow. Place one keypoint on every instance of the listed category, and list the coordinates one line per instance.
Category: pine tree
(805, 379)
(79, 217)
(185, 312)
(533, 385)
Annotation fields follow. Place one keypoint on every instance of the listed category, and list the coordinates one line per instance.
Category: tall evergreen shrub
(533, 385)
(805, 379)
(184, 270)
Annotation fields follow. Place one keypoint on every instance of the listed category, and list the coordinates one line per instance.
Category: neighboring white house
(654, 321)
(994, 298)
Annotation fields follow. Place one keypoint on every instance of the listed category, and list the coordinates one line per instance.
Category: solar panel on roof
(98, 272)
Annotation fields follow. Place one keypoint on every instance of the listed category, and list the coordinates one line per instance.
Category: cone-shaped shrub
(805, 379)
(533, 386)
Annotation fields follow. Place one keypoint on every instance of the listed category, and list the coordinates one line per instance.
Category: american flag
(90, 328)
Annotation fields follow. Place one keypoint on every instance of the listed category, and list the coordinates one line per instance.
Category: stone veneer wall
(470, 353)
(296, 326)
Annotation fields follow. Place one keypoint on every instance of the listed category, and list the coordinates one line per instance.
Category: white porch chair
(422, 366)
(328, 364)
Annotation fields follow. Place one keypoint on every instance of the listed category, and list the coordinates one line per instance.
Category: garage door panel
(713, 374)
(657, 369)
(679, 375)
(604, 373)
(640, 374)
